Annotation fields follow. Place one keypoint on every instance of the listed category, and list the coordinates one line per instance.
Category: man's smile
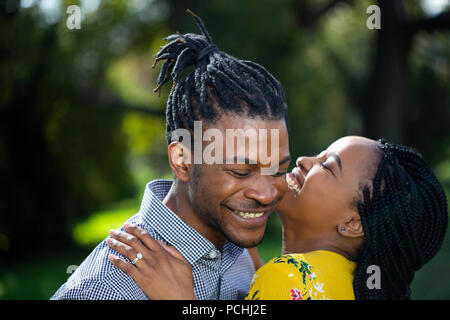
(255, 215)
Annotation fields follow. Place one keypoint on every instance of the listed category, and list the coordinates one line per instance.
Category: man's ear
(351, 227)
(179, 160)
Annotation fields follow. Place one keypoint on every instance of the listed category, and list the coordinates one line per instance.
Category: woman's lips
(294, 180)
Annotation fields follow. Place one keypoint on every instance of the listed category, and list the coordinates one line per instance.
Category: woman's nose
(305, 163)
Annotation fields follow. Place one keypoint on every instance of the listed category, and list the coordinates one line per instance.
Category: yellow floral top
(316, 275)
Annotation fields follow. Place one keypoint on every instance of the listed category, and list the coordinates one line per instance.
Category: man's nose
(264, 191)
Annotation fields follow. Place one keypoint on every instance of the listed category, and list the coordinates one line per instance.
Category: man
(211, 211)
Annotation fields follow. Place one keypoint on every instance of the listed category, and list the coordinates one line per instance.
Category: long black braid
(218, 85)
(404, 215)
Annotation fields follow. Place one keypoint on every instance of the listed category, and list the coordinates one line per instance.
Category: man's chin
(243, 237)
(246, 243)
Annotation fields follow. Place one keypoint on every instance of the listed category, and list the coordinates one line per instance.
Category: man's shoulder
(241, 271)
(244, 263)
(98, 279)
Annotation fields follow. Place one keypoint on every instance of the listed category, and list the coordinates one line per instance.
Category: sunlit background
(81, 131)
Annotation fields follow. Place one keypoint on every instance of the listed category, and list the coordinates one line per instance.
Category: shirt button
(213, 254)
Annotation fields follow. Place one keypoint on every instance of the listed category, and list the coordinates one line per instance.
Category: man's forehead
(243, 121)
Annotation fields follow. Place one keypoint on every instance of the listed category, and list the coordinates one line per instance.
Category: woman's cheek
(317, 189)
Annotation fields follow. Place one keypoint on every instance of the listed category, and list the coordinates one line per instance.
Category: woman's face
(322, 188)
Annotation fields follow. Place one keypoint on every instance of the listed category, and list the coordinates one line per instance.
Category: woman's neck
(295, 241)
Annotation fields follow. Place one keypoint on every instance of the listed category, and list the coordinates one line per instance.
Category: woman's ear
(179, 160)
(351, 227)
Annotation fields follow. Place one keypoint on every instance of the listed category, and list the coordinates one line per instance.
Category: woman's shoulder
(299, 261)
(325, 264)
(302, 276)
(285, 263)
(292, 268)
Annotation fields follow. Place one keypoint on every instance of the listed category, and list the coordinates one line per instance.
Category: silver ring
(138, 257)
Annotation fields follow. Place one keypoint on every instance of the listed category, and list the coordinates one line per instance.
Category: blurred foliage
(81, 131)
(96, 228)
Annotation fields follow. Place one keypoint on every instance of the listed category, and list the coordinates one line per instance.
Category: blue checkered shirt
(218, 274)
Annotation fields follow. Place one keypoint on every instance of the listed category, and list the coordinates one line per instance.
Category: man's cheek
(282, 187)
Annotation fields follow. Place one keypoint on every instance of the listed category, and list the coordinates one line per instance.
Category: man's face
(237, 199)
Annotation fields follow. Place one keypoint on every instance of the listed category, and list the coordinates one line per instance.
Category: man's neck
(178, 203)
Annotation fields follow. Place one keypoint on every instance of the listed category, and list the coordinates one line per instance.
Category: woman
(360, 218)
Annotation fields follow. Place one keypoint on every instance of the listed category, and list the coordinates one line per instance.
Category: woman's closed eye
(326, 167)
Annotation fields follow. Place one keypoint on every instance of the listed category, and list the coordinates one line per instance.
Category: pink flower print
(296, 294)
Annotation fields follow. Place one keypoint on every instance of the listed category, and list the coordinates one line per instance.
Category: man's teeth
(291, 183)
(249, 215)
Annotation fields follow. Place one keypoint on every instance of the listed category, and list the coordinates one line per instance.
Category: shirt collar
(191, 244)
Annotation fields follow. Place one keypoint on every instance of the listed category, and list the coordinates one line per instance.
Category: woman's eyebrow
(338, 160)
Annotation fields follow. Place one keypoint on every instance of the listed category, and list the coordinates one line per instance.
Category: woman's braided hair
(404, 215)
(219, 83)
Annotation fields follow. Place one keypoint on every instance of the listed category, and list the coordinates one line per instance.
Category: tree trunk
(387, 89)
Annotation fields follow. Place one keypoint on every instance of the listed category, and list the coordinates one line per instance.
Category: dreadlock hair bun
(404, 215)
(220, 84)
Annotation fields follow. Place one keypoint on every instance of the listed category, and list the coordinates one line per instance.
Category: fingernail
(112, 257)
(163, 244)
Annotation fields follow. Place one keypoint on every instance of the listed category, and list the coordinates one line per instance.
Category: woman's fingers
(126, 267)
(142, 235)
(172, 251)
(129, 252)
(120, 247)
(136, 239)
(163, 273)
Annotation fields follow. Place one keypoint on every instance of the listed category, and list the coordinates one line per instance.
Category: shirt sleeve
(87, 289)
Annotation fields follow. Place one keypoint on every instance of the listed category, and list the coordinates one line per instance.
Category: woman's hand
(162, 272)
